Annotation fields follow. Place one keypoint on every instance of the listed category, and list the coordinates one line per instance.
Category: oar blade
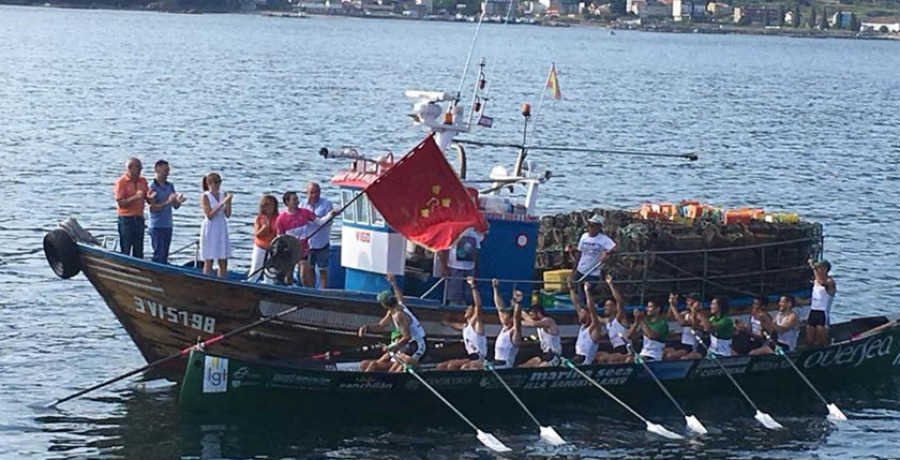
(551, 436)
(767, 421)
(835, 414)
(662, 431)
(492, 443)
(694, 425)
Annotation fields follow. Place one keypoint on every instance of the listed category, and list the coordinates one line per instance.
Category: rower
(472, 332)
(410, 347)
(689, 319)
(719, 326)
(590, 334)
(506, 347)
(655, 329)
(786, 325)
(616, 321)
(822, 297)
(750, 337)
(548, 334)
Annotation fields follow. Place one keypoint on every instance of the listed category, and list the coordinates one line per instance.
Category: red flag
(421, 197)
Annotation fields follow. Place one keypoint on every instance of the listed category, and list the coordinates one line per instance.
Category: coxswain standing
(506, 347)
(472, 331)
(655, 330)
(548, 334)
(410, 347)
(823, 292)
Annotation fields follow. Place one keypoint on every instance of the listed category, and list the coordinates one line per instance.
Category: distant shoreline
(701, 28)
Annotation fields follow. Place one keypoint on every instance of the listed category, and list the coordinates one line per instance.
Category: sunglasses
(217, 181)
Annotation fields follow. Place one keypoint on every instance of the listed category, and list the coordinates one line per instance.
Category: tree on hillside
(795, 20)
(812, 18)
(781, 13)
(854, 23)
(824, 23)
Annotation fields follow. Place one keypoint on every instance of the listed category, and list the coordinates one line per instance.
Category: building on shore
(883, 24)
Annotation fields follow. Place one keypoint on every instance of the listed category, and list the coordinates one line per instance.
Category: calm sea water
(803, 125)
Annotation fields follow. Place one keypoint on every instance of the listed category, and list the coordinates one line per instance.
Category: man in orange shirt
(131, 192)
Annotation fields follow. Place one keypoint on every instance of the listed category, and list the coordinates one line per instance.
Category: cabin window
(362, 210)
(349, 214)
(377, 219)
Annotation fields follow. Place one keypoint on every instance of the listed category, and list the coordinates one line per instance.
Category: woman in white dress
(214, 241)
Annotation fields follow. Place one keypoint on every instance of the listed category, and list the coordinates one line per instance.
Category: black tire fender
(62, 254)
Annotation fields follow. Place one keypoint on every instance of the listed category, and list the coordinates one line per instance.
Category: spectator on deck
(458, 262)
(320, 240)
(214, 241)
(162, 199)
(131, 192)
(592, 251)
(264, 232)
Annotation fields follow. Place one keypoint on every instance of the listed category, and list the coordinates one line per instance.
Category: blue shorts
(319, 257)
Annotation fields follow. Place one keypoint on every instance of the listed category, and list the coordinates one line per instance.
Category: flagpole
(537, 112)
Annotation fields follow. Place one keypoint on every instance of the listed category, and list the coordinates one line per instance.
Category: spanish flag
(553, 83)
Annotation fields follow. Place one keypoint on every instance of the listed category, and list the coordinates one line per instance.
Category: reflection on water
(802, 125)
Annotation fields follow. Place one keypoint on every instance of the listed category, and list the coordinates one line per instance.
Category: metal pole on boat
(693, 423)
(765, 419)
(462, 80)
(834, 413)
(651, 427)
(180, 354)
(486, 438)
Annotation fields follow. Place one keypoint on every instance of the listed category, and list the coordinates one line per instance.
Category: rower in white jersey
(410, 347)
(616, 321)
(823, 292)
(749, 336)
(689, 320)
(472, 332)
(506, 347)
(590, 334)
(786, 325)
(548, 334)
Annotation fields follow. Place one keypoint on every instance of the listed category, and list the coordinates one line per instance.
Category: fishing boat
(864, 351)
(166, 308)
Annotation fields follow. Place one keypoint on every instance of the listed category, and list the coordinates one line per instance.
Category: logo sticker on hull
(215, 375)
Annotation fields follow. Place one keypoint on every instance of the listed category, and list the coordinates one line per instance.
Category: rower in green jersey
(720, 327)
(655, 329)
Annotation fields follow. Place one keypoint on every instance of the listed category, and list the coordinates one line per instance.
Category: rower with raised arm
(548, 334)
(506, 347)
(410, 347)
(590, 334)
(749, 336)
(719, 326)
(472, 332)
(617, 324)
(655, 330)
(786, 325)
(689, 320)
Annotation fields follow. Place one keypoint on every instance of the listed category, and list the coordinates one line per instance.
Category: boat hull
(214, 383)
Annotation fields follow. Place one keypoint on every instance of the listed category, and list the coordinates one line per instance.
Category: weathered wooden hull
(166, 309)
(256, 386)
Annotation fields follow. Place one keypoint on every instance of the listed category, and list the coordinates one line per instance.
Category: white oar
(486, 438)
(763, 418)
(834, 413)
(692, 423)
(547, 432)
(651, 427)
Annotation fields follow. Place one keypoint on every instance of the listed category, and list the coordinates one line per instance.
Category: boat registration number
(173, 315)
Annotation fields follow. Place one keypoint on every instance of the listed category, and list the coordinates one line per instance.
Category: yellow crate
(555, 280)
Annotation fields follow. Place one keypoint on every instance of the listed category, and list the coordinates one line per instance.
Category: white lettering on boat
(850, 353)
(897, 360)
(173, 315)
(303, 380)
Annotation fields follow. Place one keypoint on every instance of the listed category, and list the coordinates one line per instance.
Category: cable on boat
(687, 156)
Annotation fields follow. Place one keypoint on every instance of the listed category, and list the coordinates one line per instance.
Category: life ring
(62, 254)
